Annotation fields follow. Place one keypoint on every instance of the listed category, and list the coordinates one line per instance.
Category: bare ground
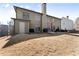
(42, 45)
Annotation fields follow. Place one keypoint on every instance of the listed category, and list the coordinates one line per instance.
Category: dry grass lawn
(42, 45)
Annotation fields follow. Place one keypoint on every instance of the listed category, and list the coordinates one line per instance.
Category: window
(37, 29)
(25, 16)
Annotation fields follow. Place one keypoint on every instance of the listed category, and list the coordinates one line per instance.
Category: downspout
(14, 19)
(41, 24)
(14, 28)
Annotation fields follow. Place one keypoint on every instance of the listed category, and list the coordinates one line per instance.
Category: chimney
(67, 17)
(44, 17)
(44, 8)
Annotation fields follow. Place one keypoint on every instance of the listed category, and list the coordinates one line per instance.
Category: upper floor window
(25, 16)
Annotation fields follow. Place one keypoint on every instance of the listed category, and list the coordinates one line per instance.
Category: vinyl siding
(67, 24)
(35, 20)
(77, 24)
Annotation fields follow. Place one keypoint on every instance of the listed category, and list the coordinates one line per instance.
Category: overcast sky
(54, 9)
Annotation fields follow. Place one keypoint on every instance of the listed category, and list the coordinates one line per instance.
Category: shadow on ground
(25, 37)
(74, 34)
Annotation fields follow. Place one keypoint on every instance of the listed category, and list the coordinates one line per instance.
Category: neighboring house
(77, 24)
(3, 30)
(11, 27)
(28, 20)
(67, 24)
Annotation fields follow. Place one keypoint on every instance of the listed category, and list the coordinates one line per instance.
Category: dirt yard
(56, 44)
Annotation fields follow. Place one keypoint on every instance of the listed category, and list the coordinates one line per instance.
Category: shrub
(31, 30)
(45, 30)
(57, 30)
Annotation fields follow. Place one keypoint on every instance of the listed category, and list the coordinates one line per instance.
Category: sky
(55, 9)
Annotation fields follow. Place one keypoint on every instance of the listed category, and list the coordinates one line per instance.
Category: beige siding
(34, 17)
(17, 30)
(16, 26)
(49, 21)
(27, 27)
(19, 14)
(44, 21)
(57, 23)
(77, 24)
(35, 20)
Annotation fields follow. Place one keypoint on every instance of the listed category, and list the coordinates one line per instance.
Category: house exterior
(77, 24)
(3, 30)
(28, 19)
(67, 24)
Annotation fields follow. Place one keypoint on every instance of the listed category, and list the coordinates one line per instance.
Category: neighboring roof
(64, 18)
(35, 12)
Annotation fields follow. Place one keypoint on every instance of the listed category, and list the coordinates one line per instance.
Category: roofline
(19, 19)
(35, 12)
(26, 9)
(54, 17)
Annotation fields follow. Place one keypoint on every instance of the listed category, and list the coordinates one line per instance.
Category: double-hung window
(25, 16)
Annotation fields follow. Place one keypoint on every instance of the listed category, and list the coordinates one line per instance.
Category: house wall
(44, 21)
(16, 26)
(35, 19)
(77, 24)
(17, 23)
(67, 24)
(50, 22)
(57, 23)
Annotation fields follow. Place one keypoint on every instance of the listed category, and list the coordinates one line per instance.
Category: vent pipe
(67, 17)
